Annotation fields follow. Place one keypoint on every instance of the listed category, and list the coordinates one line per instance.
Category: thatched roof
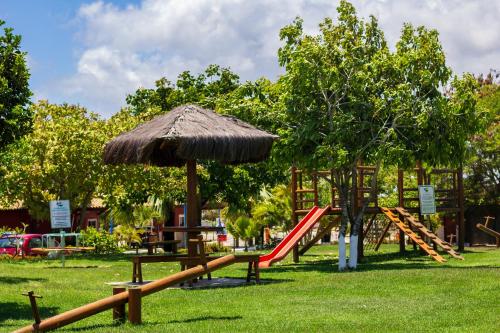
(190, 133)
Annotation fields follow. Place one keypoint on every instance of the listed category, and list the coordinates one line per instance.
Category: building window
(92, 223)
(181, 220)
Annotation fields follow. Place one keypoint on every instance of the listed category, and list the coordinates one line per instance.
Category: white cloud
(125, 48)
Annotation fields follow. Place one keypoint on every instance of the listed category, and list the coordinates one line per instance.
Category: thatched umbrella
(184, 135)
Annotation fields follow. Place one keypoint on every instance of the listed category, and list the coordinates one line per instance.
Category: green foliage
(243, 227)
(218, 88)
(59, 159)
(104, 242)
(203, 89)
(216, 247)
(274, 209)
(348, 99)
(124, 186)
(128, 234)
(17, 230)
(15, 116)
(482, 183)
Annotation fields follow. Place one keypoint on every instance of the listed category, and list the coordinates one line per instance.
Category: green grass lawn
(388, 293)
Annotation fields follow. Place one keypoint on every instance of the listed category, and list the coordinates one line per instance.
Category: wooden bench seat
(186, 262)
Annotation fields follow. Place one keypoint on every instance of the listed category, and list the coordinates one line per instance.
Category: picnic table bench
(191, 261)
(185, 262)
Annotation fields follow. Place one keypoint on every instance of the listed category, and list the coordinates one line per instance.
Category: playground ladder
(413, 236)
(432, 236)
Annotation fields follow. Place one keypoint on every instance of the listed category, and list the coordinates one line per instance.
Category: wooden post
(34, 307)
(420, 181)
(301, 194)
(315, 188)
(461, 220)
(192, 205)
(332, 188)
(119, 310)
(294, 191)
(401, 204)
(134, 305)
(295, 207)
(360, 198)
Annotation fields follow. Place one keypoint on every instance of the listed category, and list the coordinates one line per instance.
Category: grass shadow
(67, 267)
(371, 262)
(243, 283)
(16, 311)
(204, 318)
(18, 279)
(93, 327)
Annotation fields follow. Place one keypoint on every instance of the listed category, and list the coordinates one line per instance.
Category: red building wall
(13, 218)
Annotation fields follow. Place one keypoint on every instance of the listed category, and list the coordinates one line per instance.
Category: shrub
(103, 241)
(214, 247)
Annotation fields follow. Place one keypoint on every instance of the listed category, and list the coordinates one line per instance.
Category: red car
(19, 244)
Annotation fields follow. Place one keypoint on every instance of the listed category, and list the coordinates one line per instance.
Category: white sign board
(60, 215)
(427, 199)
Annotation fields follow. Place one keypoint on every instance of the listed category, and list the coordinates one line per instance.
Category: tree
(243, 227)
(15, 115)
(349, 99)
(274, 208)
(60, 159)
(482, 183)
(219, 88)
(124, 187)
(203, 89)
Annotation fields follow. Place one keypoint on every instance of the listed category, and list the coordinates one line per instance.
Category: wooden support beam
(193, 218)
(134, 306)
(119, 310)
(461, 207)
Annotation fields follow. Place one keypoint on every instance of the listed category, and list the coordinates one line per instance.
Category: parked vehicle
(14, 245)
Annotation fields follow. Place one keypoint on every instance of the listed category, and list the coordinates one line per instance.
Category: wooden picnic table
(46, 250)
(191, 261)
(185, 261)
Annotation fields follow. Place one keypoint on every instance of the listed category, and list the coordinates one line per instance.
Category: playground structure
(449, 199)
(485, 228)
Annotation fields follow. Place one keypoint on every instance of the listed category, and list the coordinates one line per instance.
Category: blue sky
(94, 53)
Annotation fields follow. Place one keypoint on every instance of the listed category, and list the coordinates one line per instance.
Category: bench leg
(183, 267)
(134, 272)
(257, 272)
(249, 271)
(139, 266)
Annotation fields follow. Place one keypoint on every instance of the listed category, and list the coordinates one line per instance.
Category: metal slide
(293, 238)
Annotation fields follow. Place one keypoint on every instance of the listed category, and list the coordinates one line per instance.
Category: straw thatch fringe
(190, 132)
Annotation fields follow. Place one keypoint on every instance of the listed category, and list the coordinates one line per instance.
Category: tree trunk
(358, 219)
(344, 222)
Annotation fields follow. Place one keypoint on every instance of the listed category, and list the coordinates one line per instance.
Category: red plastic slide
(287, 244)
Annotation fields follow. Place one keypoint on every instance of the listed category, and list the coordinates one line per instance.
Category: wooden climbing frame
(449, 198)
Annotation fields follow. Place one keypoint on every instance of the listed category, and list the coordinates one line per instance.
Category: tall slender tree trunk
(341, 180)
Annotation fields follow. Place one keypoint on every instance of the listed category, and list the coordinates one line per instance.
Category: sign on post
(60, 215)
(427, 199)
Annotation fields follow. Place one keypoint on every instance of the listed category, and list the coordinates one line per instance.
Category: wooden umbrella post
(192, 206)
